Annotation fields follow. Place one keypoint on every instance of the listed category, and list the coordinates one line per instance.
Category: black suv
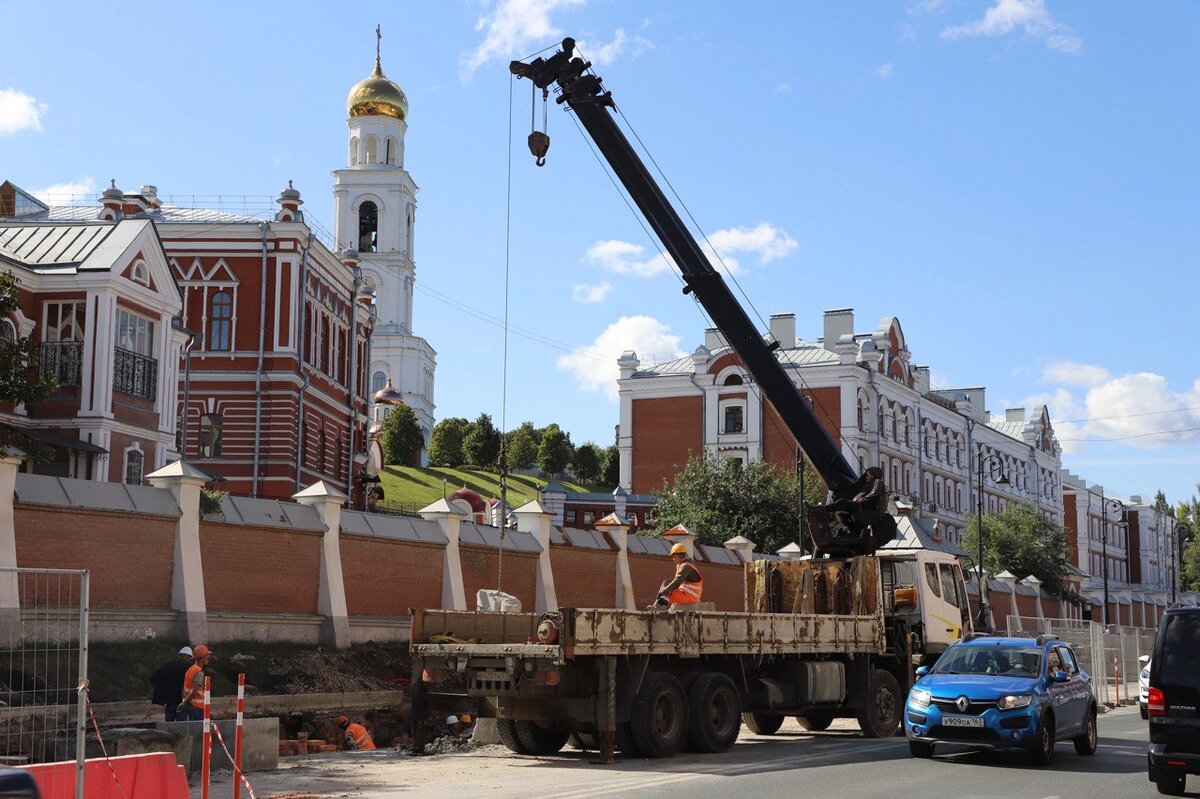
(1173, 701)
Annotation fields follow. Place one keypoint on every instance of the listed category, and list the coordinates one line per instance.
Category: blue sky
(1015, 180)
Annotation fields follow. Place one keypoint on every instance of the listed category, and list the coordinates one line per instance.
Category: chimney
(921, 379)
(113, 200)
(838, 322)
(1014, 415)
(628, 363)
(783, 329)
(713, 339)
(289, 205)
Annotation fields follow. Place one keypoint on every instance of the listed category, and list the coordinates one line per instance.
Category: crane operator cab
(857, 521)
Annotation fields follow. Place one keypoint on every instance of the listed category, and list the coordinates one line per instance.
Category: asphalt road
(837, 763)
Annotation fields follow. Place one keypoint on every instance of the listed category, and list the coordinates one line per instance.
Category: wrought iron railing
(62, 360)
(135, 374)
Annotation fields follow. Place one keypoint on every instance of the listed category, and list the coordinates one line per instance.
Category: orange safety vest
(687, 593)
(357, 737)
(197, 699)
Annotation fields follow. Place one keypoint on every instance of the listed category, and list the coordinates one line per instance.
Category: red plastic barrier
(150, 776)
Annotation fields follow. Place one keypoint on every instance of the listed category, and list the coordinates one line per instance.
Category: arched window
(140, 273)
(134, 463)
(378, 381)
(8, 332)
(353, 151)
(393, 149)
(220, 324)
(368, 226)
(372, 150)
(733, 380)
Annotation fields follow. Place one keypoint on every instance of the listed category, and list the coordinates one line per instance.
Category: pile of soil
(370, 667)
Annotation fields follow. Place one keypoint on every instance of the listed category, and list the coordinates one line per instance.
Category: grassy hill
(415, 487)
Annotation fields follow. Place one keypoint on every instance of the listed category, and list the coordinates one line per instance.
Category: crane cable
(503, 520)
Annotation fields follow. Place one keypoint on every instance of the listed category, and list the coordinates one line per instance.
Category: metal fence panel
(43, 662)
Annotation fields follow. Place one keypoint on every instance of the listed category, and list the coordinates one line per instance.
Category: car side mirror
(1060, 676)
(922, 671)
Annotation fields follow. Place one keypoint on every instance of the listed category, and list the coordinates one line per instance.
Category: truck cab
(926, 591)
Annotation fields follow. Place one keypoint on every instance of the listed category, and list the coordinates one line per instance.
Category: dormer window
(139, 273)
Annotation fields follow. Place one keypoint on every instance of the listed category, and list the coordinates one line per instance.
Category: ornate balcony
(135, 375)
(62, 361)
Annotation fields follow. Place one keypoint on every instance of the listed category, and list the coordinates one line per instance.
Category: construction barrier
(149, 776)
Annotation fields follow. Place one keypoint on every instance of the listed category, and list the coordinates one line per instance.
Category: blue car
(1003, 693)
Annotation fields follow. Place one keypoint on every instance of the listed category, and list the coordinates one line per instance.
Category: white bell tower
(375, 206)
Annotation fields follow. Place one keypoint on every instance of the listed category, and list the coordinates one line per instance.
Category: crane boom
(585, 95)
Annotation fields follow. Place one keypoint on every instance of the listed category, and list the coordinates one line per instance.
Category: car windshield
(1003, 661)
(1181, 642)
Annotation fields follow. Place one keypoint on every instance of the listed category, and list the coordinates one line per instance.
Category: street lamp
(1105, 505)
(992, 465)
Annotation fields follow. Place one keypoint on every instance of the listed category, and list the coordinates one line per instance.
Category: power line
(1138, 435)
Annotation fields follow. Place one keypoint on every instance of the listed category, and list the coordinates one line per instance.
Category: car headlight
(1014, 702)
(919, 698)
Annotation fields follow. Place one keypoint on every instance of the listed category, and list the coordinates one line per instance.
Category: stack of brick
(303, 745)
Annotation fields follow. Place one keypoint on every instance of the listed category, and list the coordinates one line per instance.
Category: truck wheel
(815, 721)
(584, 741)
(659, 717)
(714, 713)
(880, 718)
(539, 739)
(763, 723)
(624, 741)
(506, 729)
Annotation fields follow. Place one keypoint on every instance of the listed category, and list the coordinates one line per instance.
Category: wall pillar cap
(679, 532)
(1031, 580)
(739, 541)
(1006, 576)
(319, 491)
(790, 551)
(611, 520)
(530, 507)
(443, 508)
(178, 470)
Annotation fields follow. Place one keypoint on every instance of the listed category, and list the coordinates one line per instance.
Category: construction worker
(192, 706)
(167, 681)
(355, 736)
(687, 585)
(868, 504)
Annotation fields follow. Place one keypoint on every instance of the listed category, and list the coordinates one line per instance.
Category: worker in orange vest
(356, 735)
(192, 706)
(687, 586)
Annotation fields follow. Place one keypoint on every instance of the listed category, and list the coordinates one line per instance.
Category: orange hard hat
(678, 549)
(201, 651)
(342, 721)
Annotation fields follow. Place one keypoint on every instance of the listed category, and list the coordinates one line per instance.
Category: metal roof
(268, 513)
(167, 214)
(719, 555)
(400, 528)
(645, 545)
(484, 535)
(585, 539)
(47, 245)
(599, 497)
(917, 533)
(40, 489)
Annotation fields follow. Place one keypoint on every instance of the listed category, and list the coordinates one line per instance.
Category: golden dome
(375, 95)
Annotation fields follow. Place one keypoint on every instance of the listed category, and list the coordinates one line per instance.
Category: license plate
(962, 721)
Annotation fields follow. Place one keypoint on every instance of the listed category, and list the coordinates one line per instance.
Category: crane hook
(539, 144)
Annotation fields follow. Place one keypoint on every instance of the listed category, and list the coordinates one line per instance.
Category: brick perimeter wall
(386, 578)
(479, 571)
(130, 556)
(722, 584)
(584, 578)
(259, 569)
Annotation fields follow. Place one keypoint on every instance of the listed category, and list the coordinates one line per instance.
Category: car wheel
(659, 717)
(921, 749)
(815, 722)
(1042, 750)
(1170, 782)
(1085, 744)
(763, 723)
(880, 718)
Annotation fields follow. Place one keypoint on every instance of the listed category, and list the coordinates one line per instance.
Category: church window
(134, 461)
(408, 241)
(378, 381)
(353, 150)
(210, 435)
(372, 150)
(8, 333)
(220, 321)
(368, 226)
(392, 148)
(733, 380)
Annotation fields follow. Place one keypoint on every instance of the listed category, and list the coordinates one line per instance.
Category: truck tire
(714, 713)
(506, 729)
(815, 721)
(658, 720)
(763, 723)
(584, 741)
(880, 717)
(541, 739)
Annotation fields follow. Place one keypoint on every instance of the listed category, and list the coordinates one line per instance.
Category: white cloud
(626, 258)
(604, 54)
(1137, 410)
(1031, 17)
(82, 189)
(783, 88)
(512, 29)
(765, 240)
(591, 292)
(595, 367)
(20, 111)
(1074, 374)
(884, 70)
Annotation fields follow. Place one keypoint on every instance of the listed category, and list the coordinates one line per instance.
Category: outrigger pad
(842, 537)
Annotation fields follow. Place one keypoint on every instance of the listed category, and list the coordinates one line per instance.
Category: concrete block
(260, 744)
(485, 732)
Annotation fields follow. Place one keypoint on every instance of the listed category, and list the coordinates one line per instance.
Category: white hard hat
(451, 719)
(187, 650)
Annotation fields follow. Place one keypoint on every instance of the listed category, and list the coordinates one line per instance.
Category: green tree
(585, 464)
(610, 467)
(521, 447)
(21, 381)
(555, 451)
(481, 446)
(718, 499)
(1189, 572)
(401, 437)
(1022, 541)
(446, 441)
